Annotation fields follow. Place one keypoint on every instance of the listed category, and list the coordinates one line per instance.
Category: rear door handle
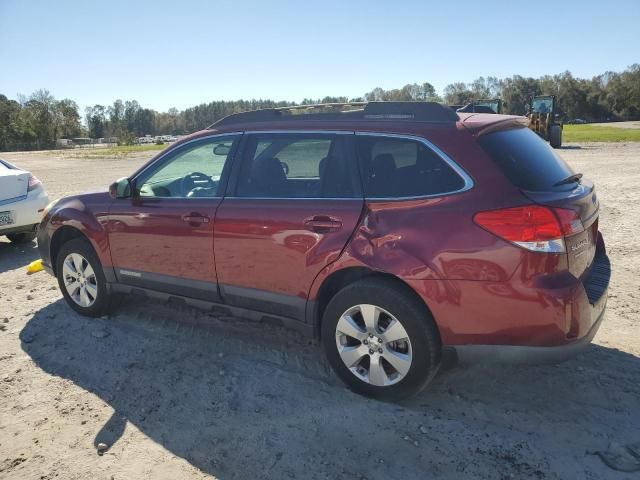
(322, 224)
(195, 218)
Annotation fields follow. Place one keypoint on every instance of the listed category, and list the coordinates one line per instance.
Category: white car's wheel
(25, 237)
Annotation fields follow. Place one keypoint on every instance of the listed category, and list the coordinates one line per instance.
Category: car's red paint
(480, 289)
(264, 244)
(152, 235)
(86, 213)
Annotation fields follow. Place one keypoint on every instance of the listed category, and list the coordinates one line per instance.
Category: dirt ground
(176, 394)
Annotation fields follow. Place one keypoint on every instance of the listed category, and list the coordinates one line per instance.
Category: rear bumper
(525, 355)
(20, 229)
(27, 212)
(592, 305)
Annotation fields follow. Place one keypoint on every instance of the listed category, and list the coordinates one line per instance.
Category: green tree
(68, 123)
(10, 123)
(458, 94)
(517, 92)
(96, 121)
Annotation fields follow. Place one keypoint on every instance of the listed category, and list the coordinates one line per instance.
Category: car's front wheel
(380, 339)
(81, 278)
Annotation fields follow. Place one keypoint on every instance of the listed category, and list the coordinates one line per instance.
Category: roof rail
(321, 106)
(417, 111)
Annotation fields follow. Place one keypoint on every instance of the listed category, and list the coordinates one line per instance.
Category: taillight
(569, 220)
(534, 227)
(33, 183)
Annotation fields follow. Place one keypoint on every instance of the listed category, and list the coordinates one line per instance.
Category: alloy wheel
(374, 345)
(80, 280)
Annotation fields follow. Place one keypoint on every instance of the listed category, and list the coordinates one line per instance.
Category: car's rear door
(162, 237)
(293, 203)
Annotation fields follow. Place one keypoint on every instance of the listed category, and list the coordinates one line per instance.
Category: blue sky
(180, 54)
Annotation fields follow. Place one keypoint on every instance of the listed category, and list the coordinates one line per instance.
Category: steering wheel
(194, 180)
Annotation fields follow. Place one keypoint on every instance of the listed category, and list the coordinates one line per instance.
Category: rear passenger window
(398, 167)
(297, 166)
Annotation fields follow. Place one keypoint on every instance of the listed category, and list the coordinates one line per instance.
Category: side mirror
(120, 188)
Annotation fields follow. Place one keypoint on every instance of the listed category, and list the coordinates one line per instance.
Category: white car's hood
(13, 183)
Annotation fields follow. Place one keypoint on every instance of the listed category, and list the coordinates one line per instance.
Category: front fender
(87, 214)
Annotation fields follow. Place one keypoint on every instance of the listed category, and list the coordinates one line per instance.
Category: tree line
(606, 97)
(38, 120)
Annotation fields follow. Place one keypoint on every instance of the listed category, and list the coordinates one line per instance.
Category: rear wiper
(575, 178)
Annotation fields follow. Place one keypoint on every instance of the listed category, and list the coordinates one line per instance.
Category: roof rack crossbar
(419, 111)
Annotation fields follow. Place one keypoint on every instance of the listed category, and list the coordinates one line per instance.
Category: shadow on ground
(16, 255)
(243, 400)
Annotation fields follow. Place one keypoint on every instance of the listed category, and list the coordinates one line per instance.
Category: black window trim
(233, 182)
(170, 153)
(468, 181)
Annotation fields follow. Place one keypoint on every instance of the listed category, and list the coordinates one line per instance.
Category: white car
(22, 201)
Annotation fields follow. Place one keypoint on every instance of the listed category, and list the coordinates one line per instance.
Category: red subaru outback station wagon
(389, 230)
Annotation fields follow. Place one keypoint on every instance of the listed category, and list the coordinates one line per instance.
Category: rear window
(4, 165)
(526, 159)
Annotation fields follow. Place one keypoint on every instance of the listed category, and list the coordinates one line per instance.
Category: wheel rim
(373, 345)
(80, 280)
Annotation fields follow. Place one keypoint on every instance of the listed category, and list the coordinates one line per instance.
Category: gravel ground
(163, 391)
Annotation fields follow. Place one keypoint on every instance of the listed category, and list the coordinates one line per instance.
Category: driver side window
(194, 171)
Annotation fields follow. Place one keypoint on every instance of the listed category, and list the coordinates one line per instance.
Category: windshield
(542, 105)
(492, 104)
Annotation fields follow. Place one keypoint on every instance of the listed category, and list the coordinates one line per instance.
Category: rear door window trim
(466, 178)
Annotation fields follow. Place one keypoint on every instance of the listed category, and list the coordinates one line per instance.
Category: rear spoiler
(500, 122)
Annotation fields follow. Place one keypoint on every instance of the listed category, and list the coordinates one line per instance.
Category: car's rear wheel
(81, 278)
(380, 339)
(24, 237)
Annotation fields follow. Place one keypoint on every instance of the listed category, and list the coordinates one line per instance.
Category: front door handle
(322, 224)
(194, 217)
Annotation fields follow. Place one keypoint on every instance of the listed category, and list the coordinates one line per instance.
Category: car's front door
(162, 237)
(292, 206)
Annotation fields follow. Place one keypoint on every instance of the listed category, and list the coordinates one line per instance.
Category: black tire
(103, 301)
(25, 237)
(401, 302)
(555, 136)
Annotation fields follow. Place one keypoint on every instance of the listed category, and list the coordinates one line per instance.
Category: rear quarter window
(526, 159)
(395, 167)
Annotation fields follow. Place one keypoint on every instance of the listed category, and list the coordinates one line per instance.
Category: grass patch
(596, 133)
(136, 148)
